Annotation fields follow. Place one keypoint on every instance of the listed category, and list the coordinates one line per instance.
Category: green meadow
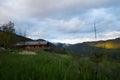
(53, 66)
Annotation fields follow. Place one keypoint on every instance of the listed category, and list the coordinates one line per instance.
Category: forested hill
(79, 48)
(90, 47)
(108, 44)
(22, 38)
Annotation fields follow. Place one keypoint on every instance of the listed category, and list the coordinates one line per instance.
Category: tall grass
(44, 66)
(51, 66)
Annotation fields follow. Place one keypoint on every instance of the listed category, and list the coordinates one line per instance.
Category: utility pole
(95, 30)
(95, 53)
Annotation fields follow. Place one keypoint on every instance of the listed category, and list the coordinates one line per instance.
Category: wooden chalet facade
(44, 45)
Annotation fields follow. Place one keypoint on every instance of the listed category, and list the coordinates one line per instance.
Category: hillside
(22, 38)
(80, 48)
(88, 48)
(108, 44)
(85, 48)
(53, 47)
(18, 38)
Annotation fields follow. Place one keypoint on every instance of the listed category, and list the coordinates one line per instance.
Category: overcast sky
(66, 21)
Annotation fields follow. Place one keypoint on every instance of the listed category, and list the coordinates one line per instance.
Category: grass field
(52, 66)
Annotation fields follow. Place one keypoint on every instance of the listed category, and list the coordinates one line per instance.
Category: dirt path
(27, 53)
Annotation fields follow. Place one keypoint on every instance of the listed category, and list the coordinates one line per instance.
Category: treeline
(7, 35)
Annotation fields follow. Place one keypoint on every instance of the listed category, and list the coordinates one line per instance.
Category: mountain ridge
(86, 48)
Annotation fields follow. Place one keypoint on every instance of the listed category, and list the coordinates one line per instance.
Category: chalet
(44, 45)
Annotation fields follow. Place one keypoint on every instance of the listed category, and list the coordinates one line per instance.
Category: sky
(66, 21)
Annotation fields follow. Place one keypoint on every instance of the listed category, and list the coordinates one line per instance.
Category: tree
(7, 35)
(9, 27)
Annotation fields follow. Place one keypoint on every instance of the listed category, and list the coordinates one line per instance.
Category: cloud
(46, 6)
(72, 25)
(112, 34)
(63, 20)
(22, 9)
(80, 27)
